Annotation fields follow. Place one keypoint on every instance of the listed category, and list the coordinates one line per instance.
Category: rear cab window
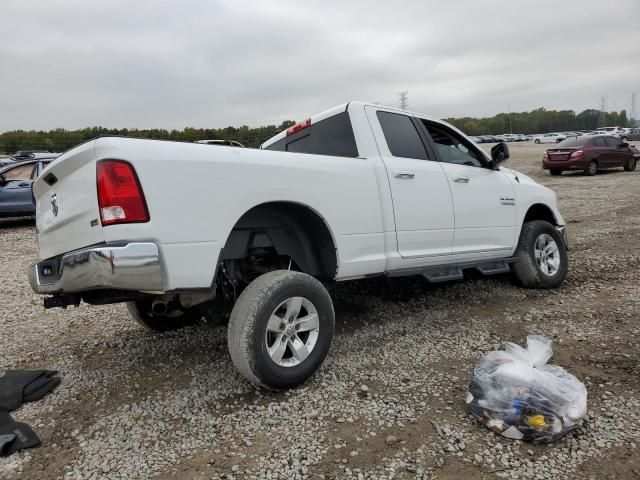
(571, 142)
(330, 136)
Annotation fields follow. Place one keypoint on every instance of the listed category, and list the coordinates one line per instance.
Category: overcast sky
(172, 64)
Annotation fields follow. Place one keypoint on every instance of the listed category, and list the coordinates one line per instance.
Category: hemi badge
(94, 222)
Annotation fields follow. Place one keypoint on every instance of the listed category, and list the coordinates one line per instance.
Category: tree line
(59, 140)
(541, 120)
(535, 121)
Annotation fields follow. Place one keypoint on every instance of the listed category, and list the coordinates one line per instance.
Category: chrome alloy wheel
(292, 332)
(547, 255)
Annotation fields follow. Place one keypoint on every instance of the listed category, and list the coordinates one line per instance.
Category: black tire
(555, 173)
(624, 139)
(247, 335)
(537, 140)
(592, 169)
(175, 318)
(526, 267)
(558, 140)
(630, 165)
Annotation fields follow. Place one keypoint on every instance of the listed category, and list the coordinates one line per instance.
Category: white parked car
(549, 138)
(619, 132)
(177, 230)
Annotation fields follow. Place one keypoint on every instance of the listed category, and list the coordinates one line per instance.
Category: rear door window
(22, 172)
(401, 135)
(599, 142)
(331, 136)
(613, 142)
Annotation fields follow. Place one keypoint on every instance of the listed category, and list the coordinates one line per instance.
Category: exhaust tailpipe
(158, 307)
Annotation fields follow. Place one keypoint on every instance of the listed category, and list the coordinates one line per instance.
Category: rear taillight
(299, 126)
(577, 155)
(545, 156)
(120, 196)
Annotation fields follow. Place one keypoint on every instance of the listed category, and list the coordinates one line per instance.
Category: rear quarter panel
(196, 193)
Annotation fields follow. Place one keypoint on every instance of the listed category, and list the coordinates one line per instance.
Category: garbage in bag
(515, 393)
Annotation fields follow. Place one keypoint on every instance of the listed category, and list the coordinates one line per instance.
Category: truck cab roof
(344, 107)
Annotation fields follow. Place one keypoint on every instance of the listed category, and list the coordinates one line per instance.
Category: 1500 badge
(508, 201)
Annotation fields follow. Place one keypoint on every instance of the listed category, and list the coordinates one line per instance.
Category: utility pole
(634, 111)
(404, 102)
(603, 109)
(510, 125)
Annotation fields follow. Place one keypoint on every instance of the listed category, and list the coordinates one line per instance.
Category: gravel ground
(389, 401)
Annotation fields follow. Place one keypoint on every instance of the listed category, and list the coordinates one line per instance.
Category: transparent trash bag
(514, 393)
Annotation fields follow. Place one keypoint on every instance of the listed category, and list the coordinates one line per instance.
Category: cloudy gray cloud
(75, 63)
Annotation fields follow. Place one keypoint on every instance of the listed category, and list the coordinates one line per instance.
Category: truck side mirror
(499, 153)
(3, 181)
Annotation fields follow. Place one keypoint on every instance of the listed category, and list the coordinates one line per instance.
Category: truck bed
(196, 193)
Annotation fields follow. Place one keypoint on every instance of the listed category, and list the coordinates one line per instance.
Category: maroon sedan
(590, 154)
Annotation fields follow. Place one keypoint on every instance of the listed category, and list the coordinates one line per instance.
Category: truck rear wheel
(542, 256)
(281, 329)
(173, 318)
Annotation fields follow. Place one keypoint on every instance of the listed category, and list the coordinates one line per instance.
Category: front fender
(530, 194)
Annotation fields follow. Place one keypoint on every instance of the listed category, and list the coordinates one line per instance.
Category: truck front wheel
(542, 260)
(281, 329)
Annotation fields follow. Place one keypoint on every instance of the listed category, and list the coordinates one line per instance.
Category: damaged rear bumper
(122, 266)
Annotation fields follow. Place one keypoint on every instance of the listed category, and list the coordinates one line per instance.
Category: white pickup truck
(180, 231)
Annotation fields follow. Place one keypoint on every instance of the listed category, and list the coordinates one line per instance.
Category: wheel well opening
(540, 212)
(277, 231)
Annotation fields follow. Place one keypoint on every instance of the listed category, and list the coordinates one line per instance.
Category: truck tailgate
(67, 215)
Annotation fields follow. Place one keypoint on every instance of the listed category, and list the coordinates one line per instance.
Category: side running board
(445, 273)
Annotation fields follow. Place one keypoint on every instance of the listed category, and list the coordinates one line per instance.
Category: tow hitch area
(62, 301)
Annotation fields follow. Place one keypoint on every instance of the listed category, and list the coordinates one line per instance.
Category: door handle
(461, 180)
(406, 174)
